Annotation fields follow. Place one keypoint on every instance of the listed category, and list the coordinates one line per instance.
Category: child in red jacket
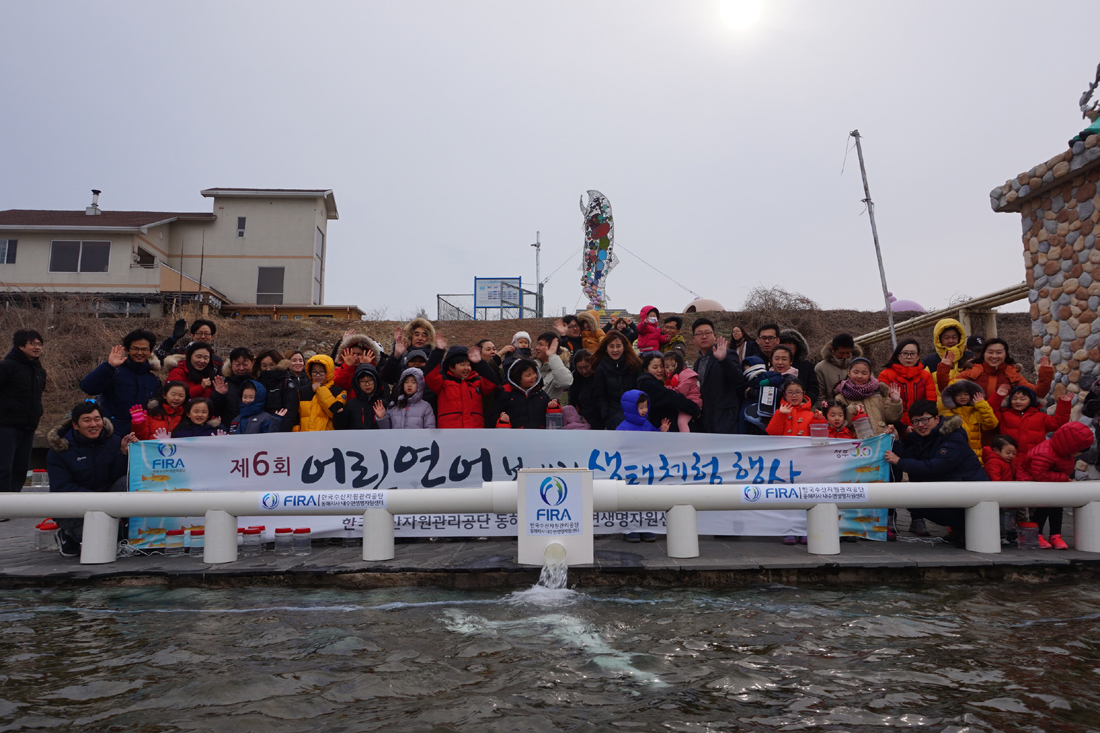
(837, 419)
(795, 413)
(1021, 418)
(1054, 460)
(998, 458)
(460, 379)
(165, 415)
(650, 336)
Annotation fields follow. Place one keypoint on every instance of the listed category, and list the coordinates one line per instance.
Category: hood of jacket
(1073, 437)
(362, 341)
(326, 361)
(521, 335)
(645, 314)
(589, 318)
(514, 372)
(415, 324)
(960, 386)
(828, 355)
(419, 377)
(801, 348)
(629, 403)
(949, 425)
(257, 405)
(1033, 399)
(370, 369)
(942, 325)
(58, 437)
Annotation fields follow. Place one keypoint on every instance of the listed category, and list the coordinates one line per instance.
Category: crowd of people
(961, 412)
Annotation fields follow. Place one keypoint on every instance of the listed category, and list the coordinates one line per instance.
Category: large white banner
(375, 460)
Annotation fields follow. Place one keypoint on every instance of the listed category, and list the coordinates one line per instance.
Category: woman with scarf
(996, 369)
(881, 402)
(195, 369)
(906, 371)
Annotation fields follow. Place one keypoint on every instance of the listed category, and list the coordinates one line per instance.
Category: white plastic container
(173, 542)
(303, 541)
(284, 541)
(45, 536)
(253, 542)
(198, 543)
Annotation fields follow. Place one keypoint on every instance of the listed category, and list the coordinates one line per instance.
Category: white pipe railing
(981, 500)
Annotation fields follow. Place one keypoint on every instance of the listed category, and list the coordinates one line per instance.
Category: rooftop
(114, 221)
(284, 193)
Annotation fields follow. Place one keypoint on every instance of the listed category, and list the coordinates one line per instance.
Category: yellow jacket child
(318, 401)
(964, 399)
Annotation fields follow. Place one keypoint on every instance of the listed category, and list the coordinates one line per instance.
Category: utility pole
(538, 275)
(202, 263)
(874, 233)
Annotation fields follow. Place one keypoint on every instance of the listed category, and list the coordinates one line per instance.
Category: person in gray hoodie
(409, 410)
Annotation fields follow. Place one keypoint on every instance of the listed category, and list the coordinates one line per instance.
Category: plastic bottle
(198, 543)
(819, 430)
(284, 541)
(240, 539)
(45, 536)
(37, 480)
(253, 543)
(553, 418)
(1027, 536)
(303, 541)
(862, 425)
(263, 537)
(173, 542)
(350, 540)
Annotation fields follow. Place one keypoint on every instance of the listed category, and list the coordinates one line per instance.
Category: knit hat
(521, 335)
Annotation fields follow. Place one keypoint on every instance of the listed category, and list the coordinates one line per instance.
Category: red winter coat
(1030, 427)
(996, 467)
(168, 420)
(914, 383)
(1053, 459)
(459, 400)
(650, 337)
(194, 391)
(797, 422)
(989, 379)
(844, 432)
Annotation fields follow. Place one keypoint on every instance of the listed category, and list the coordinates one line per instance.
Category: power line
(624, 249)
(563, 264)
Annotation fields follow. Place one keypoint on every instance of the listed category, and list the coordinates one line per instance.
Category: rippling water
(951, 658)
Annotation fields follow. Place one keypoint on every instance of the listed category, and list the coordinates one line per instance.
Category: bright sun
(741, 14)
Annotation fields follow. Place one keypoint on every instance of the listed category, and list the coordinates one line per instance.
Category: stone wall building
(1059, 208)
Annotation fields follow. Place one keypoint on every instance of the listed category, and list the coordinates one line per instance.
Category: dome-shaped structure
(906, 305)
(703, 304)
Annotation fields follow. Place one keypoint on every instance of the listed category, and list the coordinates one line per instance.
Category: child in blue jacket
(635, 406)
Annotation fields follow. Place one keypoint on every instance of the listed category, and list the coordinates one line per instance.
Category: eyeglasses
(794, 393)
(139, 350)
(910, 353)
(33, 343)
(767, 338)
(704, 333)
(923, 420)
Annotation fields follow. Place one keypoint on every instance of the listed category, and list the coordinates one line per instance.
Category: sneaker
(790, 540)
(632, 537)
(802, 540)
(66, 545)
(1058, 543)
(916, 526)
(1043, 544)
(648, 536)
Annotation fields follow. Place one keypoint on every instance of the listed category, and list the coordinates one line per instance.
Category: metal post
(538, 279)
(874, 233)
(823, 530)
(683, 531)
(100, 538)
(220, 543)
(983, 528)
(377, 535)
(1086, 527)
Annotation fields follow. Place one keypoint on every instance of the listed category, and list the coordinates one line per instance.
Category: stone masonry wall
(1060, 209)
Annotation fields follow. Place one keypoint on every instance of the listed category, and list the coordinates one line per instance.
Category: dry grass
(76, 343)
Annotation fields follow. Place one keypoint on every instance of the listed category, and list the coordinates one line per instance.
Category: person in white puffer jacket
(409, 410)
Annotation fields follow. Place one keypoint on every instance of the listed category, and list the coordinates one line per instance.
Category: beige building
(259, 247)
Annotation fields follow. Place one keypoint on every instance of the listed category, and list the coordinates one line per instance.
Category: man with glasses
(126, 379)
(936, 450)
(767, 338)
(720, 380)
(22, 380)
(202, 331)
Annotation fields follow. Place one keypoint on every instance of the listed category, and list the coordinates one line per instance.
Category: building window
(7, 251)
(144, 258)
(240, 227)
(66, 256)
(269, 286)
(318, 265)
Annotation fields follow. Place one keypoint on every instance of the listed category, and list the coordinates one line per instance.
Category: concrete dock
(470, 564)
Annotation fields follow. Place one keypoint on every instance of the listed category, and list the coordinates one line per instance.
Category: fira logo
(781, 492)
(298, 500)
(553, 491)
(164, 464)
(166, 450)
(751, 493)
(270, 501)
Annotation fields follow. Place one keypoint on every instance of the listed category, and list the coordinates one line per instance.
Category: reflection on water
(951, 658)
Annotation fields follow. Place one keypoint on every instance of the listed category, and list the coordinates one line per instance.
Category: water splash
(555, 570)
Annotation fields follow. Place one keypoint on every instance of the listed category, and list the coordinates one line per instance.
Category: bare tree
(775, 298)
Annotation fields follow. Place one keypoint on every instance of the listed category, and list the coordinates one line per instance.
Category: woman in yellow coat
(320, 399)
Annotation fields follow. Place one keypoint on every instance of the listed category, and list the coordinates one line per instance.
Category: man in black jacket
(22, 380)
(85, 455)
(720, 380)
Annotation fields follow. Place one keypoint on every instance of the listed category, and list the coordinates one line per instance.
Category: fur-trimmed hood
(801, 349)
(419, 323)
(588, 318)
(362, 341)
(827, 355)
(949, 425)
(960, 386)
(172, 361)
(55, 438)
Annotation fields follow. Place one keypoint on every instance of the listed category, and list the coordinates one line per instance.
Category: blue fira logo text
(167, 450)
(270, 501)
(553, 491)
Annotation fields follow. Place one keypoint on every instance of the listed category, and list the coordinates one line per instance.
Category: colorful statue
(1090, 112)
(599, 238)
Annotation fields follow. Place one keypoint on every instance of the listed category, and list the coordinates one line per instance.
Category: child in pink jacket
(688, 386)
(650, 337)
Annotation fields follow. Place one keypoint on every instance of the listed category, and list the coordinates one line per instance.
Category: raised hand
(506, 350)
(665, 425)
(219, 385)
(206, 383)
(117, 356)
(1066, 397)
(124, 446)
(349, 357)
(560, 327)
(979, 397)
(1003, 390)
(895, 393)
(786, 408)
(349, 333)
(398, 342)
(553, 348)
(440, 342)
(370, 357)
(379, 410)
(949, 358)
(720, 347)
(1045, 361)
(475, 354)
(221, 432)
(161, 434)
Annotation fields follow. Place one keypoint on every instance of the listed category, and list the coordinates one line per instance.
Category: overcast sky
(452, 131)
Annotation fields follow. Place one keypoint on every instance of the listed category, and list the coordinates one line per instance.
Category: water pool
(997, 657)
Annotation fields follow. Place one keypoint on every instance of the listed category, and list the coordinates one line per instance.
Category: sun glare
(741, 14)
